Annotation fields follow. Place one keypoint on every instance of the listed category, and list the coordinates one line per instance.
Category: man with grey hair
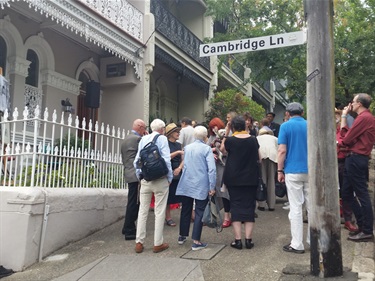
(292, 168)
(359, 140)
(158, 187)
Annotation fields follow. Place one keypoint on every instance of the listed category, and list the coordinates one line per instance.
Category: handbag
(280, 189)
(261, 193)
(212, 216)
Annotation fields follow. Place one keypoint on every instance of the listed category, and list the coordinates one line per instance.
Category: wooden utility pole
(324, 218)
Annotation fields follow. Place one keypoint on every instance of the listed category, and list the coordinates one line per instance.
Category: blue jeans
(355, 180)
(187, 208)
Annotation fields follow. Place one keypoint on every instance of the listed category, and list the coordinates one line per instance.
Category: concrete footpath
(105, 255)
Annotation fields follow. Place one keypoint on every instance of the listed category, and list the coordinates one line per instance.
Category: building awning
(182, 70)
(114, 26)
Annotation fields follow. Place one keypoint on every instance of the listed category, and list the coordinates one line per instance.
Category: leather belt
(351, 153)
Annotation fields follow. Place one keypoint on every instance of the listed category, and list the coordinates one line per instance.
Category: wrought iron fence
(52, 153)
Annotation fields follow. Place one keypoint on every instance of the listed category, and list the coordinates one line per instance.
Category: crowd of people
(226, 160)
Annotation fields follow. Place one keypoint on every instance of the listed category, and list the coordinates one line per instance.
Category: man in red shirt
(359, 139)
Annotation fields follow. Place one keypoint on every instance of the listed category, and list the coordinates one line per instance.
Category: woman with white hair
(197, 182)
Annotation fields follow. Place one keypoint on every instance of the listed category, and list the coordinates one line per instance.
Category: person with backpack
(155, 173)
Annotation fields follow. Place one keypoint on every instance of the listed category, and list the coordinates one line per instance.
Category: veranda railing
(50, 153)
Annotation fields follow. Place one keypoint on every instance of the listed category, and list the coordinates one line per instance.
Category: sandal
(170, 222)
(226, 223)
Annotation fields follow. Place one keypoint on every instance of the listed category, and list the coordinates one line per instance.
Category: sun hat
(265, 130)
(171, 128)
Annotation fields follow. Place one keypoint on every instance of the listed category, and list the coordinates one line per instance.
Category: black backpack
(152, 164)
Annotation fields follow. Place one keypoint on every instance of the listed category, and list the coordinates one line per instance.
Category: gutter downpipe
(44, 225)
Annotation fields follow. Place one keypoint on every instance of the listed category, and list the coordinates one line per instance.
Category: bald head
(139, 126)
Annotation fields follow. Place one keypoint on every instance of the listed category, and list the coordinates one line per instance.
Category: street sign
(253, 44)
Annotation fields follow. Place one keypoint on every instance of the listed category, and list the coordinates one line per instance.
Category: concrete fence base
(34, 222)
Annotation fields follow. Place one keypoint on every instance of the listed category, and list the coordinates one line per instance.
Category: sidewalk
(105, 255)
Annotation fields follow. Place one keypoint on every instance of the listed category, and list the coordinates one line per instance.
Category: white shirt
(186, 136)
(268, 147)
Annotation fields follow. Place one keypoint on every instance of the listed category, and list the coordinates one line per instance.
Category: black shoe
(249, 244)
(236, 244)
(361, 237)
(130, 237)
(5, 272)
(261, 209)
(288, 248)
(271, 209)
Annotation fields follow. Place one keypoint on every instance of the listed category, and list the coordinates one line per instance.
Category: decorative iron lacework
(121, 13)
(180, 35)
(77, 20)
(33, 98)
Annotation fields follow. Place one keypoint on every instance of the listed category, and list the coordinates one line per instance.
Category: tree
(353, 33)
(354, 48)
(232, 100)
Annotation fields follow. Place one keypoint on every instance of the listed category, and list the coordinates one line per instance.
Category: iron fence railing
(52, 153)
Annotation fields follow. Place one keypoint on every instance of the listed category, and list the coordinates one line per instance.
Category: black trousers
(132, 208)
(185, 216)
(355, 180)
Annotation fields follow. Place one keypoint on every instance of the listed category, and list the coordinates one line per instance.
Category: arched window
(3, 54)
(33, 95)
(33, 75)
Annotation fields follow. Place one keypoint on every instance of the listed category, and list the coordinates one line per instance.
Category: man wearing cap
(128, 150)
(359, 140)
(292, 168)
(275, 127)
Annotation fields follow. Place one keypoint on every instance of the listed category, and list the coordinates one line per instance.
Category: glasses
(142, 127)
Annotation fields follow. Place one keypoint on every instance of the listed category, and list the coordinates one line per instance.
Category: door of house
(85, 112)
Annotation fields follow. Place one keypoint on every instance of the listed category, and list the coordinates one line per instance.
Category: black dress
(175, 162)
(241, 176)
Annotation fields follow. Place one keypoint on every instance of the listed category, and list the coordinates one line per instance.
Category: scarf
(240, 133)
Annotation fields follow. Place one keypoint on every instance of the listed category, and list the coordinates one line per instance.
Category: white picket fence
(47, 153)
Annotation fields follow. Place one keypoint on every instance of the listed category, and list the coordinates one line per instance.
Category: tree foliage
(232, 100)
(353, 34)
(354, 47)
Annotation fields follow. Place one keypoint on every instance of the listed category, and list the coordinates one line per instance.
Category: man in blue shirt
(160, 188)
(292, 168)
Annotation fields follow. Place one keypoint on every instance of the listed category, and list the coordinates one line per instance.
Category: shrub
(232, 100)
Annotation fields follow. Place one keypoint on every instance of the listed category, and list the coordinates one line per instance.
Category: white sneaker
(286, 203)
(287, 207)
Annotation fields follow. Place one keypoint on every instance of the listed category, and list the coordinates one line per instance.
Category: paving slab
(136, 267)
(205, 254)
(77, 274)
